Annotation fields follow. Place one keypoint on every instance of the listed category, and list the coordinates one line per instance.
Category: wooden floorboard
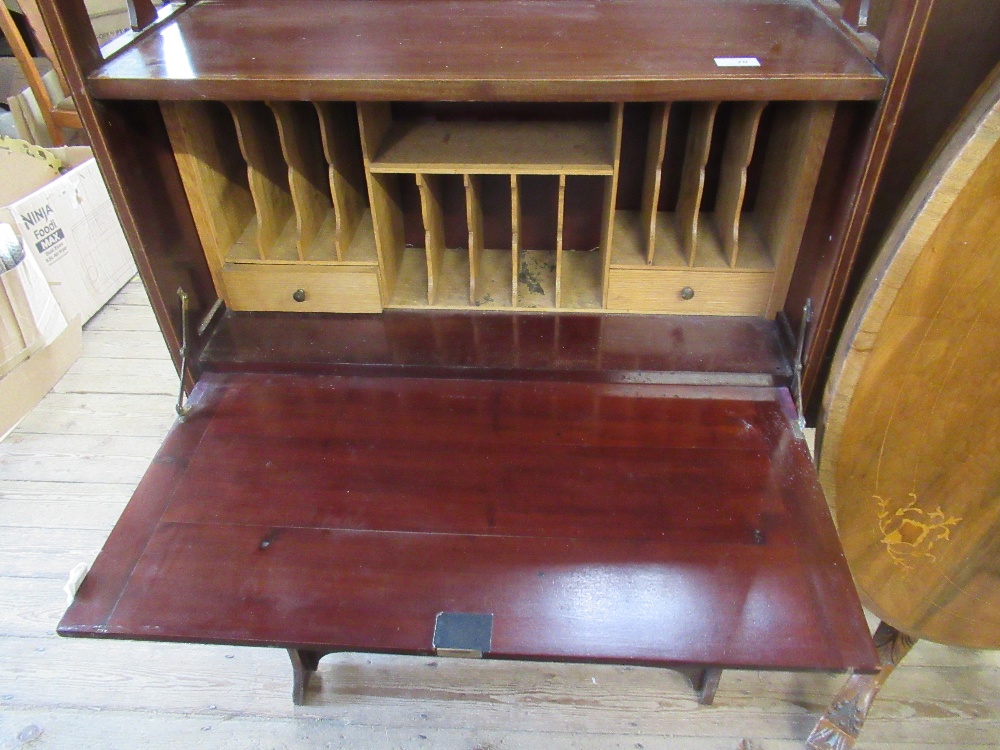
(66, 473)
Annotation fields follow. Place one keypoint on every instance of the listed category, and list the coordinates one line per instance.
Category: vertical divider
(214, 175)
(791, 169)
(610, 200)
(733, 178)
(301, 145)
(474, 218)
(560, 217)
(693, 175)
(339, 130)
(430, 186)
(374, 121)
(515, 224)
(653, 176)
(267, 172)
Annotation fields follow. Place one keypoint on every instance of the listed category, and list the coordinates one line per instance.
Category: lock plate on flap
(463, 634)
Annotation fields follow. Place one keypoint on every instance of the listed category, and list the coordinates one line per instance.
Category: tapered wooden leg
(839, 727)
(706, 683)
(704, 680)
(304, 664)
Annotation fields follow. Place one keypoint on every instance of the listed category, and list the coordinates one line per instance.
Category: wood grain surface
(618, 523)
(496, 148)
(715, 292)
(203, 140)
(464, 495)
(910, 455)
(490, 50)
(617, 348)
(350, 289)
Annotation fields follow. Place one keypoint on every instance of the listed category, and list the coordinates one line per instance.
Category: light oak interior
(336, 184)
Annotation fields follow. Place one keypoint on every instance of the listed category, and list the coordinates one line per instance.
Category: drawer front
(296, 289)
(689, 291)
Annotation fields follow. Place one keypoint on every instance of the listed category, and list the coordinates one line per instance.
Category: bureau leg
(704, 680)
(840, 726)
(705, 683)
(304, 664)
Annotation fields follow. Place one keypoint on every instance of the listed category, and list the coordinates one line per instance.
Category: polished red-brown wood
(134, 154)
(836, 224)
(490, 50)
(621, 523)
(619, 348)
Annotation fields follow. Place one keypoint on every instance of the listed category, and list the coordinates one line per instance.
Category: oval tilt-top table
(910, 454)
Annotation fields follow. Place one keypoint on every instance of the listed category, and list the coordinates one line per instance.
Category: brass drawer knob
(687, 293)
(299, 295)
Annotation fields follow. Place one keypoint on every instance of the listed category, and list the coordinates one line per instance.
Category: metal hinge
(183, 409)
(800, 345)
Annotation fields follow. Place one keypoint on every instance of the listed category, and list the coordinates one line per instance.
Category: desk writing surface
(612, 522)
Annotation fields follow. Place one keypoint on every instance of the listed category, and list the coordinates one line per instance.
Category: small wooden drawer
(689, 291)
(296, 289)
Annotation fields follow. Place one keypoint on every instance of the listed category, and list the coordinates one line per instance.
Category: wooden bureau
(493, 317)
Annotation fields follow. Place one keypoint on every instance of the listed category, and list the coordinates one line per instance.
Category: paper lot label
(737, 62)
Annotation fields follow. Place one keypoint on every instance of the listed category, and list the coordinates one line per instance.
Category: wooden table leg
(704, 680)
(304, 664)
(706, 685)
(839, 727)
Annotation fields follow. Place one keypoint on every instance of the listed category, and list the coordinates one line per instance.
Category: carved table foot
(304, 664)
(839, 727)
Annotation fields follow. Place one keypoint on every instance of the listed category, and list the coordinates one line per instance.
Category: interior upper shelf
(490, 50)
(497, 148)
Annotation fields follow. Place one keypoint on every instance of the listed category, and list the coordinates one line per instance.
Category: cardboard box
(63, 256)
(26, 385)
(37, 346)
(29, 316)
(68, 223)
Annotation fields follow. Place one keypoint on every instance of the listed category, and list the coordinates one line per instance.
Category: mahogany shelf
(670, 525)
(490, 50)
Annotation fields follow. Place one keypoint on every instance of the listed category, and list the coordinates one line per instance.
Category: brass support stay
(182, 408)
(807, 313)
